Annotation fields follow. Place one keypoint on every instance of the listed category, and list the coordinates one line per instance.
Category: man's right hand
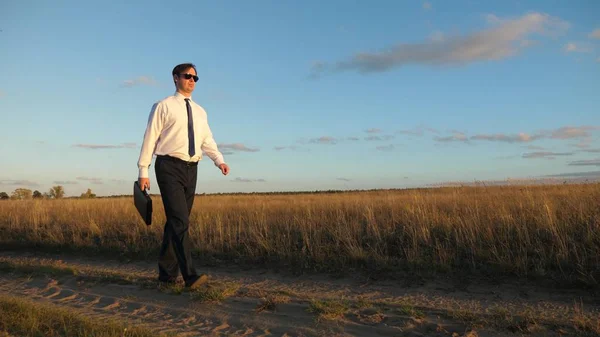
(144, 183)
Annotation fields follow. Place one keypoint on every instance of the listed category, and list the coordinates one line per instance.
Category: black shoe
(196, 281)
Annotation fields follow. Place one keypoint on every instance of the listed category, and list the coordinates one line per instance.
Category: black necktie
(191, 147)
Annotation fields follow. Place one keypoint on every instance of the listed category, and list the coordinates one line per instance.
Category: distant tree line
(55, 192)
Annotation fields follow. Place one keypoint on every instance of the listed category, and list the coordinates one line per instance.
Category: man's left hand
(224, 169)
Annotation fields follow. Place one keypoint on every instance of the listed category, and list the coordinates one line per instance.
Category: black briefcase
(143, 203)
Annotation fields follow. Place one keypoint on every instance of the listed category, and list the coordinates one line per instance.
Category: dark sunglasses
(188, 76)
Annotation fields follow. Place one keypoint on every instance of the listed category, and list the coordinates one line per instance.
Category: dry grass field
(545, 237)
(536, 231)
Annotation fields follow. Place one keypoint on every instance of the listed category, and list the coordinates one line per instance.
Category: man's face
(186, 85)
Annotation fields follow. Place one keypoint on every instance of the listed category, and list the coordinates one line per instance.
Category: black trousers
(177, 183)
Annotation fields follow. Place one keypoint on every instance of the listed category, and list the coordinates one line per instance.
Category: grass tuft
(328, 309)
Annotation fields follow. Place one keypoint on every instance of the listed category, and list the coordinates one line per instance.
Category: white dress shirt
(167, 133)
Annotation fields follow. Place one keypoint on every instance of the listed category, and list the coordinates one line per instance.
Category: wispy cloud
(237, 147)
(2, 93)
(592, 150)
(507, 157)
(569, 132)
(534, 147)
(584, 143)
(595, 34)
(291, 148)
(379, 138)
(563, 133)
(105, 146)
(500, 41)
(353, 138)
(577, 47)
(519, 138)
(456, 137)
(65, 182)
(95, 181)
(541, 180)
(418, 131)
(343, 179)
(27, 183)
(119, 181)
(545, 154)
(591, 162)
(373, 130)
(141, 80)
(323, 140)
(246, 180)
(390, 147)
(427, 6)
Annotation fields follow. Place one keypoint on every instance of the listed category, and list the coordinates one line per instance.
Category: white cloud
(141, 80)
(95, 181)
(569, 132)
(19, 183)
(595, 34)
(521, 137)
(502, 40)
(427, 5)
(291, 147)
(378, 138)
(246, 180)
(577, 47)
(390, 147)
(547, 155)
(456, 137)
(323, 140)
(105, 146)
(584, 143)
(373, 130)
(592, 162)
(65, 182)
(437, 36)
(563, 133)
(238, 147)
(418, 131)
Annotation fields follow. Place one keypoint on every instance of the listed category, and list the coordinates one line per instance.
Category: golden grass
(552, 232)
(23, 317)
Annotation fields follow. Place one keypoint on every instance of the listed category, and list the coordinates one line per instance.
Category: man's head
(185, 77)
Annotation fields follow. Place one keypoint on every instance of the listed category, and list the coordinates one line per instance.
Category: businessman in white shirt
(177, 133)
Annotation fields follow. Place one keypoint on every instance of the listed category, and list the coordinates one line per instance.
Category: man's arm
(209, 146)
(151, 135)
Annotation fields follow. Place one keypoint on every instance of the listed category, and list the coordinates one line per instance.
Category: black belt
(177, 160)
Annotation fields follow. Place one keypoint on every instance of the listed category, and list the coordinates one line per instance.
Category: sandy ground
(372, 308)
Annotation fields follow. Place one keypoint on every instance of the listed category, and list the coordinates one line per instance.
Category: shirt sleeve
(209, 146)
(153, 130)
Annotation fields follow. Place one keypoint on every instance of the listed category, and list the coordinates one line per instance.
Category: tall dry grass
(541, 231)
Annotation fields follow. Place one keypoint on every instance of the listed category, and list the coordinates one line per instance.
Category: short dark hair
(183, 67)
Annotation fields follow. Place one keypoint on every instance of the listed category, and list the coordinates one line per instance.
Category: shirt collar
(179, 96)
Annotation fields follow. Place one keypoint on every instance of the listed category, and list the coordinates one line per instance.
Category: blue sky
(303, 95)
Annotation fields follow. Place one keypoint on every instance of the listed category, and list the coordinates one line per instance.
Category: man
(177, 133)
